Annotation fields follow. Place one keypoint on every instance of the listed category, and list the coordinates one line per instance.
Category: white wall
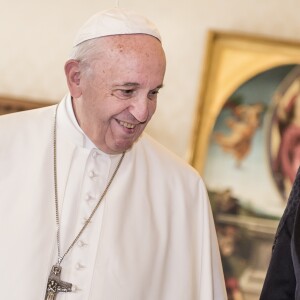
(36, 36)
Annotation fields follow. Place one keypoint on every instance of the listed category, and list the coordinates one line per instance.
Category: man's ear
(72, 72)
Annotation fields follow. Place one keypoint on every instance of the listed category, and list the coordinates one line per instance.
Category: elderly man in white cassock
(91, 207)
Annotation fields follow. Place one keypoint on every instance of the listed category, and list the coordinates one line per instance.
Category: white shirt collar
(87, 143)
(67, 121)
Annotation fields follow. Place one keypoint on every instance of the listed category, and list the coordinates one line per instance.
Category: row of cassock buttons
(93, 176)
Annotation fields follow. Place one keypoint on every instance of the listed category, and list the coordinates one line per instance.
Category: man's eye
(152, 95)
(127, 92)
(123, 93)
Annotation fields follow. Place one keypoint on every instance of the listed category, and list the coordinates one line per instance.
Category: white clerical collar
(67, 121)
(87, 143)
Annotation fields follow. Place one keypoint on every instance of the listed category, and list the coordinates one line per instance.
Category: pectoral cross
(55, 285)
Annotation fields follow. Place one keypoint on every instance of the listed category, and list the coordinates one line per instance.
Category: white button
(75, 288)
(95, 154)
(91, 174)
(79, 266)
(88, 197)
(82, 244)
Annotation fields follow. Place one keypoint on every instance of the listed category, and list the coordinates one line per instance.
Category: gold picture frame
(231, 59)
(10, 104)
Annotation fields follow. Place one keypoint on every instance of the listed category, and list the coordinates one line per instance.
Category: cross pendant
(55, 285)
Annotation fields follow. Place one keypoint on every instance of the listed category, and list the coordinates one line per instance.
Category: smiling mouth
(127, 125)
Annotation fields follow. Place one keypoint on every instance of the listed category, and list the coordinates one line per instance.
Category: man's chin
(124, 145)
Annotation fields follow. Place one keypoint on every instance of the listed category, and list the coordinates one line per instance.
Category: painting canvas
(246, 146)
(249, 143)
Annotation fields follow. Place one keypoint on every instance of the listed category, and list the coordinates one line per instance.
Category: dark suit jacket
(282, 281)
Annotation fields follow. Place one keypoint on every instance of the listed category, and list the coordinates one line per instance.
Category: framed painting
(245, 145)
(10, 105)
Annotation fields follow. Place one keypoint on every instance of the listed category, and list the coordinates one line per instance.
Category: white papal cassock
(152, 238)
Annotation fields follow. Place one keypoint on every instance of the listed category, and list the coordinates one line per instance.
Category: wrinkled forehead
(133, 45)
(129, 42)
(137, 54)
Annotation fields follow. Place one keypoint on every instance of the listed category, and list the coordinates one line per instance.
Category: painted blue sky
(252, 183)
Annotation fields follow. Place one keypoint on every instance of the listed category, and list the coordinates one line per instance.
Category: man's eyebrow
(160, 86)
(128, 84)
(135, 84)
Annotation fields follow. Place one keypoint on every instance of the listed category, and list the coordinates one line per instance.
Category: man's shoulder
(167, 172)
(26, 114)
(23, 118)
(163, 158)
(26, 124)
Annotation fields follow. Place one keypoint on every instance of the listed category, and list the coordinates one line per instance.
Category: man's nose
(140, 109)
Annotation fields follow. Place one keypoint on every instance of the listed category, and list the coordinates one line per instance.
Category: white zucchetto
(115, 21)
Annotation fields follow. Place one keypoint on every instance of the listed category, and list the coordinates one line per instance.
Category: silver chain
(60, 258)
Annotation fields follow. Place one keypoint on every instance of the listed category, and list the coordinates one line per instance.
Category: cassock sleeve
(280, 281)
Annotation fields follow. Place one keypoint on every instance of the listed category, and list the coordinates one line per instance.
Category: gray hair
(84, 53)
(84, 50)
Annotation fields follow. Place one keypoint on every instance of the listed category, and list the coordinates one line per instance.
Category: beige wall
(36, 36)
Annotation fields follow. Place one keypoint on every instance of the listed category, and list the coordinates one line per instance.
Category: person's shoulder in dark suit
(281, 279)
